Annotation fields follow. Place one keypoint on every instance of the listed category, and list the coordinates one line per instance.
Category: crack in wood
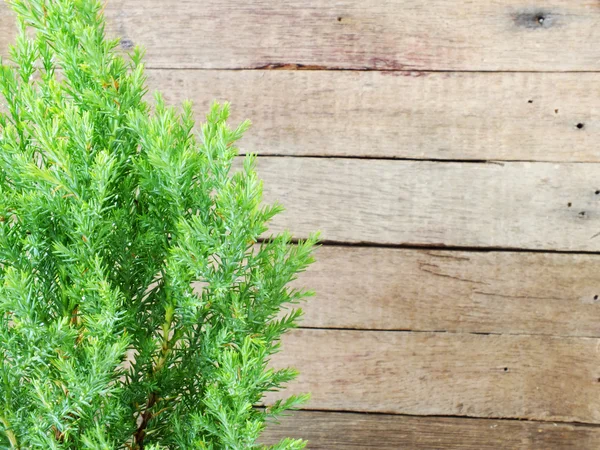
(524, 297)
(423, 265)
(447, 256)
(291, 66)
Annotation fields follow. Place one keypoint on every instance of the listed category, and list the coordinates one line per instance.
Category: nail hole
(582, 213)
(533, 19)
(126, 44)
(598, 380)
(597, 192)
(556, 111)
(529, 101)
(595, 297)
(339, 19)
(569, 204)
(580, 125)
(506, 369)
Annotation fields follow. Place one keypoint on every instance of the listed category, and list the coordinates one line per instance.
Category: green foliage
(137, 309)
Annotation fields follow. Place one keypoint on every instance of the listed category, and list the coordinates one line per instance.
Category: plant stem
(138, 438)
(9, 433)
(166, 345)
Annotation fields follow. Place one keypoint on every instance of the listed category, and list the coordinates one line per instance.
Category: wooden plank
(446, 116)
(496, 376)
(478, 292)
(423, 115)
(358, 34)
(341, 431)
(510, 205)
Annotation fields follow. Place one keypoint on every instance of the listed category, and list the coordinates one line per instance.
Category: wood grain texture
(445, 116)
(341, 431)
(422, 115)
(508, 205)
(496, 376)
(358, 34)
(479, 292)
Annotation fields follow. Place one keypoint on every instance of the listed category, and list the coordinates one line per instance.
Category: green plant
(109, 213)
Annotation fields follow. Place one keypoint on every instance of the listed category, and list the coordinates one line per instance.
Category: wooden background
(448, 150)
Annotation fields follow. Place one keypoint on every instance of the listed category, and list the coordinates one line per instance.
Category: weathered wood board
(432, 290)
(359, 34)
(441, 116)
(509, 205)
(341, 431)
(497, 376)
(520, 94)
(422, 115)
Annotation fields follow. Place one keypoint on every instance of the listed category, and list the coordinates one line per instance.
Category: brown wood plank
(427, 290)
(358, 34)
(496, 376)
(446, 116)
(510, 205)
(341, 431)
(422, 115)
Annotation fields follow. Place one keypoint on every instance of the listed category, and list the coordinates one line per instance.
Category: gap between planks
(294, 67)
(499, 162)
(442, 416)
(444, 248)
(432, 331)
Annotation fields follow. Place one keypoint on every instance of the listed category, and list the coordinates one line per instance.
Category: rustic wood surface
(423, 115)
(497, 376)
(358, 34)
(341, 431)
(452, 80)
(432, 290)
(509, 205)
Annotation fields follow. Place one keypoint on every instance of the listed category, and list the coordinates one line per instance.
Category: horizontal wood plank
(341, 431)
(496, 376)
(510, 205)
(479, 292)
(442, 116)
(450, 116)
(358, 34)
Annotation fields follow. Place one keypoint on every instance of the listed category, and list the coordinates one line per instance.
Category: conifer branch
(99, 193)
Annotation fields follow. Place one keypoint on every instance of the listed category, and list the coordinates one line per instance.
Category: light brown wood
(508, 205)
(528, 377)
(427, 290)
(341, 431)
(446, 116)
(479, 116)
(357, 34)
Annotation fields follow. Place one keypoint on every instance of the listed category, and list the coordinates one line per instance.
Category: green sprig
(138, 305)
